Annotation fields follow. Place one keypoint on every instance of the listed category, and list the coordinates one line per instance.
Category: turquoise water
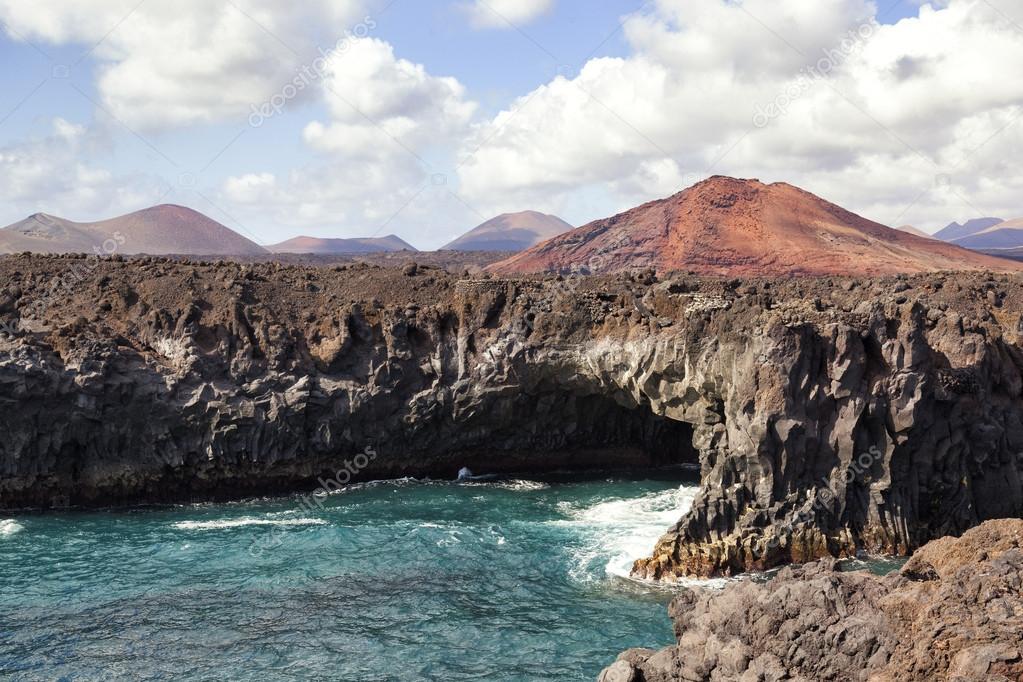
(506, 580)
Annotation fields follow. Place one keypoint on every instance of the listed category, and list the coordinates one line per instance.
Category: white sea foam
(244, 522)
(520, 486)
(619, 532)
(10, 527)
(367, 485)
(517, 485)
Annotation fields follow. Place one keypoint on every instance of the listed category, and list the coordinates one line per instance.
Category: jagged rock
(620, 671)
(954, 612)
(818, 432)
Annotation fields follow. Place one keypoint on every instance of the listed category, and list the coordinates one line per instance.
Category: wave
(10, 527)
(368, 485)
(618, 532)
(245, 522)
(515, 485)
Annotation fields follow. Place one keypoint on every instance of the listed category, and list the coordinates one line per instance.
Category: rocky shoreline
(953, 612)
(829, 416)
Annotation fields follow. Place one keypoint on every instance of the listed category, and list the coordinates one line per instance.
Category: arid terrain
(321, 246)
(731, 227)
(510, 232)
(157, 230)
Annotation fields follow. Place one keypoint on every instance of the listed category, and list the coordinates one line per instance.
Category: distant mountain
(160, 230)
(510, 232)
(317, 245)
(1014, 254)
(731, 227)
(1007, 235)
(956, 231)
(913, 230)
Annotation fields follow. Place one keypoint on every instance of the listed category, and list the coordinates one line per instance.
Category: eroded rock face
(827, 416)
(954, 612)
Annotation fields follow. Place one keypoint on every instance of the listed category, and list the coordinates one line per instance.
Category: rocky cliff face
(954, 612)
(827, 416)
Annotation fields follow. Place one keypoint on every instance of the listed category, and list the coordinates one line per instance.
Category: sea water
(409, 580)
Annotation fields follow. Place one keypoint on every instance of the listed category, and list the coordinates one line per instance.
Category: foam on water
(242, 523)
(10, 527)
(513, 485)
(624, 530)
(389, 581)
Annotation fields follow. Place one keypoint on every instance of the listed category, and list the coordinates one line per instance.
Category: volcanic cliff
(954, 612)
(828, 416)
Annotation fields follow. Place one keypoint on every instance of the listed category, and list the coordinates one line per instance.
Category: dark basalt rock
(825, 420)
(954, 612)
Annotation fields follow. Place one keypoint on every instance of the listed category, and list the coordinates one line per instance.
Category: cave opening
(567, 431)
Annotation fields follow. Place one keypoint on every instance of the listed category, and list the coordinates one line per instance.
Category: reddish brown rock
(954, 612)
(725, 226)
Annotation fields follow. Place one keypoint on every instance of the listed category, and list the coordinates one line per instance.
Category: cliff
(828, 416)
(954, 612)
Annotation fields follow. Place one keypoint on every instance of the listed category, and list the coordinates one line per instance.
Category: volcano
(324, 246)
(160, 230)
(510, 232)
(732, 227)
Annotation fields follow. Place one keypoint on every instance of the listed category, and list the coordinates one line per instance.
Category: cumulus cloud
(506, 13)
(164, 64)
(375, 99)
(889, 120)
(388, 118)
(47, 174)
(339, 199)
(916, 122)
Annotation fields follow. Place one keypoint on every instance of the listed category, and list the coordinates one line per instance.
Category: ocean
(407, 580)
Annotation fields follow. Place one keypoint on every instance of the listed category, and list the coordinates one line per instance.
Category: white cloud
(340, 199)
(164, 64)
(375, 98)
(506, 13)
(251, 187)
(382, 153)
(918, 122)
(47, 174)
(901, 108)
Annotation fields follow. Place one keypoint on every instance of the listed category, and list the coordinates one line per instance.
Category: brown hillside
(726, 226)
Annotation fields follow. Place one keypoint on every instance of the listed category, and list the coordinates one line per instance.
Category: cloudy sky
(425, 117)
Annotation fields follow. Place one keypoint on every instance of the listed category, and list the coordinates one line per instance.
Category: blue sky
(444, 85)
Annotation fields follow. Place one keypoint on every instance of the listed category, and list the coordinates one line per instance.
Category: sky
(423, 118)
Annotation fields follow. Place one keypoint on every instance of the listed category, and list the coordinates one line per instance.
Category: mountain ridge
(1004, 235)
(954, 231)
(324, 245)
(510, 232)
(733, 227)
(165, 229)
